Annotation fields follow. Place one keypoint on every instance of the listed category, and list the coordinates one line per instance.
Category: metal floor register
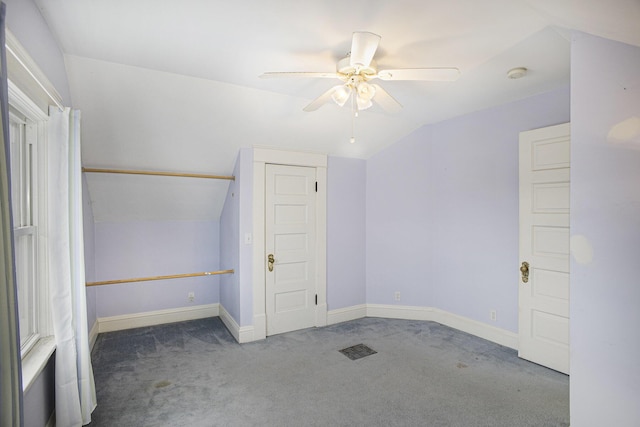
(357, 351)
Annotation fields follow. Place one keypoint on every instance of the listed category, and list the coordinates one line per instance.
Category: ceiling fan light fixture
(363, 103)
(358, 68)
(341, 95)
(366, 91)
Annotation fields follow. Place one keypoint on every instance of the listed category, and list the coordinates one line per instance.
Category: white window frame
(37, 350)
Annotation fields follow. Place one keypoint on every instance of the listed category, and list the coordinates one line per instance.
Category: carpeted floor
(421, 374)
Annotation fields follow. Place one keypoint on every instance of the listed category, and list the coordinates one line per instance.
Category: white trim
(259, 327)
(229, 322)
(321, 242)
(159, 317)
(262, 156)
(464, 324)
(242, 334)
(347, 313)
(21, 101)
(285, 157)
(34, 362)
(36, 126)
(93, 334)
(259, 277)
(473, 327)
(26, 71)
(403, 312)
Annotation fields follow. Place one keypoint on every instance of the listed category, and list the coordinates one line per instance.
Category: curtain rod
(146, 279)
(156, 173)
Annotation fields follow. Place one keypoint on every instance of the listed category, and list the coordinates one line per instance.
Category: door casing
(543, 319)
(262, 157)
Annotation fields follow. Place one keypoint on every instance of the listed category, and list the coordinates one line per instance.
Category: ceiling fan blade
(363, 47)
(321, 100)
(386, 101)
(297, 74)
(432, 74)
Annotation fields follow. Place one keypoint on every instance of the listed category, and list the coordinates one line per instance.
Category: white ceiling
(173, 85)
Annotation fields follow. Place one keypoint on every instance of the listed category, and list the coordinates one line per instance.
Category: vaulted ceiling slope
(173, 85)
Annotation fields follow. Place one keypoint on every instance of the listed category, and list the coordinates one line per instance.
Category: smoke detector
(517, 73)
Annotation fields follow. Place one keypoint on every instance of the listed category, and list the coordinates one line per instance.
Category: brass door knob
(270, 260)
(524, 269)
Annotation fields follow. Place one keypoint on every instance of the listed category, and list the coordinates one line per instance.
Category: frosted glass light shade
(366, 93)
(341, 95)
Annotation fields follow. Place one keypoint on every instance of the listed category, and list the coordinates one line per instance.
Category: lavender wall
(230, 247)
(442, 212)
(140, 249)
(89, 253)
(346, 232)
(605, 228)
(39, 399)
(245, 224)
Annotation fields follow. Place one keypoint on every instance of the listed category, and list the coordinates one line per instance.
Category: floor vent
(357, 351)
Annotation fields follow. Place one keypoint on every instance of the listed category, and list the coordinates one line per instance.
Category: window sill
(35, 361)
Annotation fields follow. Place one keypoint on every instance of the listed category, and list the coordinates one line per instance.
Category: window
(28, 189)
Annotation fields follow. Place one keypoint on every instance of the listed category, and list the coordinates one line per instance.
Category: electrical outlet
(191, 296)
(396, 296)
(493, 315)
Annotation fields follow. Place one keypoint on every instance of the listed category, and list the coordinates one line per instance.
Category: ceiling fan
(357, 69)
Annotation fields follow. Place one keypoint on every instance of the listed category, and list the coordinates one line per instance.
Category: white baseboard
(159, 317)
(473, 327)
(404, 312)
(93, 334)
(245, 334)
(321, 315)
(242, 334)
(345, 314)
(470, 326)
(259, 327)
(479, 329)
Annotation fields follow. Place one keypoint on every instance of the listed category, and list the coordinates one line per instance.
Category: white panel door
(290, 205)
(544, 247)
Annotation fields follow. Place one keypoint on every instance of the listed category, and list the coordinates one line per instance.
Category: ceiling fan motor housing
(344, 67)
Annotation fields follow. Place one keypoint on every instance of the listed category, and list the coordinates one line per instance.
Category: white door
(544, 247)
(290, 241)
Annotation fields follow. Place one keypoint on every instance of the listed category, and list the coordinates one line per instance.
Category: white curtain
(75, 389)
(10, 378)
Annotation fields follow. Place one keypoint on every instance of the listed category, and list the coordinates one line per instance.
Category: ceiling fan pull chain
(354, 114)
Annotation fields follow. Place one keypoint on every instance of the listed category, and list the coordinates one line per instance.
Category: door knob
(271, 260)
(524, 269)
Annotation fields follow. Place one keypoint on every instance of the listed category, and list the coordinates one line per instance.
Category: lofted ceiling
(167, 85)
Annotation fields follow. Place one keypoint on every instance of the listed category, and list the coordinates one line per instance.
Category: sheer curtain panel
(10, 376)
(75, 389)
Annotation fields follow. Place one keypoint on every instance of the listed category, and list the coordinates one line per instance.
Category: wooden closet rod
(139, 172)
(145, 279)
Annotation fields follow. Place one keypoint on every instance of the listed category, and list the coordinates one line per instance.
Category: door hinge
(316, 299)
(316, 186)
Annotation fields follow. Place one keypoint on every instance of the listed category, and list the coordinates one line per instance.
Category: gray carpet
(422, 374)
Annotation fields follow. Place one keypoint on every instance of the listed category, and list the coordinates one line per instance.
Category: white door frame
(262, 157)
(544, 177)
